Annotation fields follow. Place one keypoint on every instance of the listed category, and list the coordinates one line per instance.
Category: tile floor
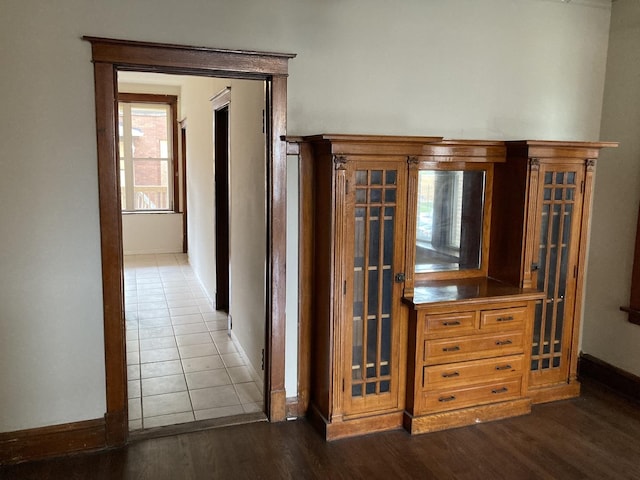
(181, 363)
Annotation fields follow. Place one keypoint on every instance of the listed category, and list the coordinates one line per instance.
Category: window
(147, 148)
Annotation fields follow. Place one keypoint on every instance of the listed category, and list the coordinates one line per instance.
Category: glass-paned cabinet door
(377, 222)
(555, 266)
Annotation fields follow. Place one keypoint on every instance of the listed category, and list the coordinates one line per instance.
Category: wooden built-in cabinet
(469, 342)
(441, 280)
(358, 332)
(543, 192)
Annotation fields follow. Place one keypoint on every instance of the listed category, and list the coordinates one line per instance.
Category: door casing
(111, 55)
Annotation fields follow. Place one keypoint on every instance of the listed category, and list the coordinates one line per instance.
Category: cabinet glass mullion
(375, 195)
(558, 199)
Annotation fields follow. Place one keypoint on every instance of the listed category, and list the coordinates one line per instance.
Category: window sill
(151, 212)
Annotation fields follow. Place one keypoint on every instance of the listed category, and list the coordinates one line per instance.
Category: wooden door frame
(183, 183)
(222, 217)
(111, 55)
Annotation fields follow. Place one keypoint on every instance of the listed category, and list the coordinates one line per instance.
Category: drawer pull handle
(451, 349)
(447, 399)
(451, 375)
(504, 342)
(503, 367)
(452, 323)
(500, 390)
(505, 319)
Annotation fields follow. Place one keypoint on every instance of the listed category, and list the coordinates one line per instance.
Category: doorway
(184, 362)
(109, 56)
(220, 105)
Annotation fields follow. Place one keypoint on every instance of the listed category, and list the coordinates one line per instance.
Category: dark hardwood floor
(596, 436)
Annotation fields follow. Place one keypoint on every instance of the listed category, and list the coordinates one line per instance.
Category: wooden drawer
(503, 319)
(450, 324)
(467, 396)
(469, 348)
(451, 374)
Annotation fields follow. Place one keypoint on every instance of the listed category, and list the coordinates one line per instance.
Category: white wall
(248, 247)
(607, 334)
(459, 68)
(196, 108)
(151, 233)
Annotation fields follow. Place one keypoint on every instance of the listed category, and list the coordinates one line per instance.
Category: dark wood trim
(43, 442)
(146, 98)
(222, 203)
(294, 408)
(220, 104)
(169, 58)
(109, 55)
(183, 160)
(634, 295)
(111, 250)
(306, 201)
(174, 148)
(275, 398)
(621, 381)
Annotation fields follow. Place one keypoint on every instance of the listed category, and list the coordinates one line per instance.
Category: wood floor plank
(596, 436)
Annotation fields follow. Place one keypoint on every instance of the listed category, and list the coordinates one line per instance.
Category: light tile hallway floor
(181, 363)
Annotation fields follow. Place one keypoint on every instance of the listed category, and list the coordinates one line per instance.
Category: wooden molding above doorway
(109, 56)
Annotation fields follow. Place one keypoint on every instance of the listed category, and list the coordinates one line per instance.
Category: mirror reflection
(449, 220)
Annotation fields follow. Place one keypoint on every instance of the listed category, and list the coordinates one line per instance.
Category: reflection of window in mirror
(450, 215)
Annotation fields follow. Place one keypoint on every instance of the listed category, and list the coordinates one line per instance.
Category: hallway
(181, 362)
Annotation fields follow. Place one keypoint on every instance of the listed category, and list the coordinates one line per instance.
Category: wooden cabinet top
(433, 148)
(344, 144)
(556, 148)
(469, 291)
(422, 148)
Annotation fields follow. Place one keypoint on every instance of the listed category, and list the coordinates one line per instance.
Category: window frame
(633, 310)
(172, 102)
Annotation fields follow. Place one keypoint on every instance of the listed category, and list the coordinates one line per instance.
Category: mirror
(449, 220)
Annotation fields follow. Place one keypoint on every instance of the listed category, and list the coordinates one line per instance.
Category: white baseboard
(157, 251)
(259, 379)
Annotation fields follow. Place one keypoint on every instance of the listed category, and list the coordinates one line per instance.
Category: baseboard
(621, 381)
(255, 376)
(293, 408)
(51, 441)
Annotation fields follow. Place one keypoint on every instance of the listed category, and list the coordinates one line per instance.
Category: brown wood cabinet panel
(482, 369)
(358, 198)
(448, 324)
(503, 319)
(451, 374)
(542, 193)
(471, 395)
(472, 347)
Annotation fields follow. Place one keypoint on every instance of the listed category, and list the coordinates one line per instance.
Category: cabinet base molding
(51, 441)
(356, 426)
(466, 416)
(551, 393)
